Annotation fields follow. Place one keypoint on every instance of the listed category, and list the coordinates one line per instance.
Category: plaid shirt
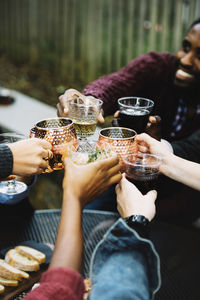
(181, 116)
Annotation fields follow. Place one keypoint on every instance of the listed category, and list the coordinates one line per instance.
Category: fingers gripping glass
(60, 133)
(11, 187)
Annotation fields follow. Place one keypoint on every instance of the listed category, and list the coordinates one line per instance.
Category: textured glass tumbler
(84, 114)
(122, 141)
(60, 132)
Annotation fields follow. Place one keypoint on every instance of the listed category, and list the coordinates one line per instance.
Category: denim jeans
(124, 266)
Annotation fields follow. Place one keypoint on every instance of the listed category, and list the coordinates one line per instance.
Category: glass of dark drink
(134, 112)
(142, 169)
(60, 132)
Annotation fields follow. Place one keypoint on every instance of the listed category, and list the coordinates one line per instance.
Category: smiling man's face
(188, 67)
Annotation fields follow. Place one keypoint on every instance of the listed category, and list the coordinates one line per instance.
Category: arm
(6, 161)
(124, 265)
(177, 168)
(79, 190)
(81, 185)
(182, 170)
(140, 77)
(136, 79)
(24, 158)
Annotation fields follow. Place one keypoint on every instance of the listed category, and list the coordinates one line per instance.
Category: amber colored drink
(134, 119)
(85, 128)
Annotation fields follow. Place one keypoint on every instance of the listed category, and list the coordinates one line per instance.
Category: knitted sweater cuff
(6, 161)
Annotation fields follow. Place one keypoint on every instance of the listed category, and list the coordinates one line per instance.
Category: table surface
(24, 113)
(179, 249)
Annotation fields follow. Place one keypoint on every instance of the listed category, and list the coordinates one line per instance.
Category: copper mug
(121, 140)
(60, 132)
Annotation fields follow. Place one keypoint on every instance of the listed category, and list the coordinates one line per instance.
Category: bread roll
(9, 272)
(8, 282)
(31, 253)
(21, 262)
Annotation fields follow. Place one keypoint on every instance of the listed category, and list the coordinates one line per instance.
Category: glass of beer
(84, 113)
(60, 132)
(142, 169)
(134, 112)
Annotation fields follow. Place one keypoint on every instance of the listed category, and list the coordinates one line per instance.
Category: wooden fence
(83, 39)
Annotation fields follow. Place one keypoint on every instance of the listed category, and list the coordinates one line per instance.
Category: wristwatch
(136, 219)
(138, 223)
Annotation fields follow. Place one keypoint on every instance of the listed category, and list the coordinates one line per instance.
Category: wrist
(71, 199)
(167, 164)
(133, 219)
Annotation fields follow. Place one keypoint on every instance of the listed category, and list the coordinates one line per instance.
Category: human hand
(30, 156)
(63, 108)
(87, 182)
(153, 127)
(115, 121)
(147, 144)
(130, 200)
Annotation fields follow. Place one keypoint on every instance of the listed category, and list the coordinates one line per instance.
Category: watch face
(137, 219)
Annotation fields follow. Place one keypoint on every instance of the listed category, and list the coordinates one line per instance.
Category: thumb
(116, 114)
(143, 137)
(151, 195)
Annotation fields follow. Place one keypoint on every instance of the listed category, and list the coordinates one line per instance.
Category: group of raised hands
(31, 157)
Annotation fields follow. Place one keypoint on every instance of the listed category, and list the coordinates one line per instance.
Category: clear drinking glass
(83, 156)
(11, 187)
(84, 114)
(142, 169)
(134, 112)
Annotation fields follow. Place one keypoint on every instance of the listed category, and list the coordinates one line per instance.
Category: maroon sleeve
(60, 284)
(140, 74)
